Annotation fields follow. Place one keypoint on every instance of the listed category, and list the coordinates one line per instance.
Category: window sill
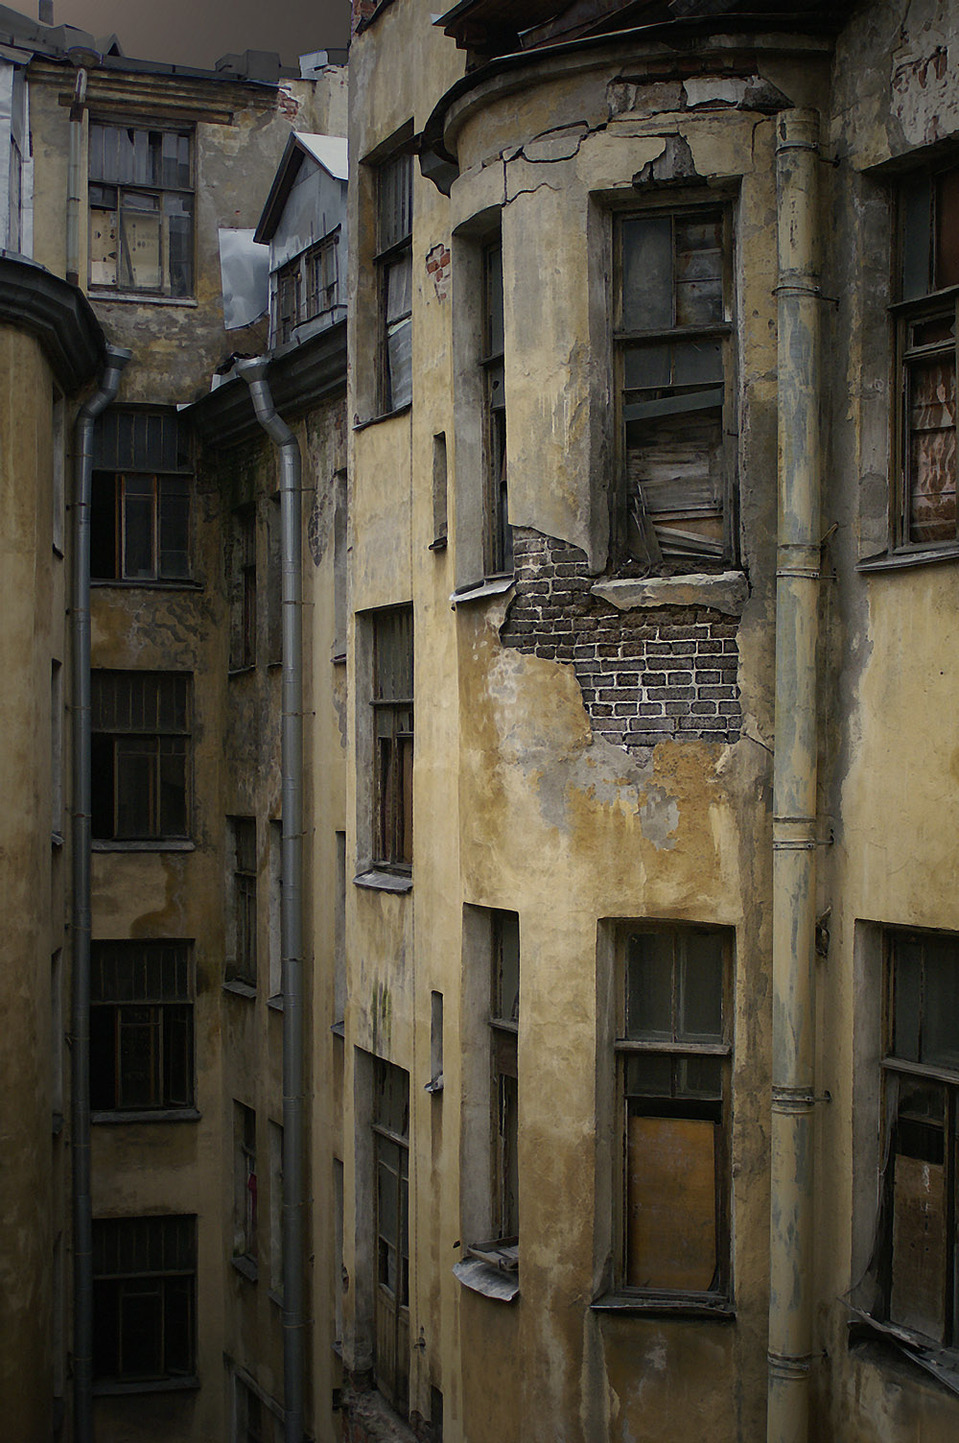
(338, 658)
(941, 1363)
(148, 583)
(900, 560)
(104, 844)
(146, 1385)
(488, 1279)
(440, 543)
(434, 1085)
(244, 670)
(57, 1124)
(377, 880)
(276, 1002)
(239, 989)
(246, 1267)
(144, 1114)
(726, 592)
(56, 840)
(692, 1305)
(495, 586)
(383, 416)
(275, 1297)
(339, 1029)
(140, 298)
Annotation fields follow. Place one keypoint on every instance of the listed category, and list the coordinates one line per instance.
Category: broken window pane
(141, 209)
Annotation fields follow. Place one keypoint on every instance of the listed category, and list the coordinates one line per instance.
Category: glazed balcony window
(142, 497)
(674, 366)
(141, 191)
(306, 288)
(674, 1057)
(140, 755)
(924, 511)
(144, 1299)
(394, 265)
(141, 1027)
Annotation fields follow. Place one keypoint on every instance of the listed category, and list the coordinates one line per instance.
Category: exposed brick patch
(438, 267)
(647, 676)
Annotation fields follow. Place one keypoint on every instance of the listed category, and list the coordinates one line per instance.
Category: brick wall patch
(647, 676)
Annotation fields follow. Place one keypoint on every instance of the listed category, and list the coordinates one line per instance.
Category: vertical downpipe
(80, 1052)
(794, 796)
(291, 922)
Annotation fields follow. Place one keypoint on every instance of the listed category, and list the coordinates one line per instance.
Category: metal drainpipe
(794, 796)
(80, 1053)
(291, 922)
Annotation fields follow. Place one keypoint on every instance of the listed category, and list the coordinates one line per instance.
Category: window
(141, 497)
(925, 514)
(144, 1298)
(255, 1419)
(498, 548)
(918, 1275)
(141, 1026)
(674, 367)
(141, 209)
(242, 837)
(394, 266)
(504, 1029)
(674, 1063)
(140, 755)
(306, 288)
(276, 910)
(276, 1208)
(243, 589)
(391, 1144)
(393, 737)
(244, 1184)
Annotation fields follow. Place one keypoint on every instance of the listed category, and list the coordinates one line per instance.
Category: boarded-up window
(929, 272)
(675, 1063)
(674, 359)
(920, 1190)
(141, 209)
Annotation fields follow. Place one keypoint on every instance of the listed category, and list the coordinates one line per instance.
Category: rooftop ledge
(726, 592)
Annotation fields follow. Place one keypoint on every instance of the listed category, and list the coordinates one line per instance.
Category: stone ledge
(726, 592)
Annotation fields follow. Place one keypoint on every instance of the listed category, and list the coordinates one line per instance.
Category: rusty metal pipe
(794, 787)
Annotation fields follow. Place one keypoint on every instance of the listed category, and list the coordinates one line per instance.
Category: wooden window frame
(391, 1160)
(159, 740)
(392, 706)
(394, 255)
(115, 196)
(928, 298)
(637, 542)
(901, 1075)
(658, 1105)
(142, 479)
(147, 986)
(145, 1261)
(242, 967)
(245, 1240)
(498, 534)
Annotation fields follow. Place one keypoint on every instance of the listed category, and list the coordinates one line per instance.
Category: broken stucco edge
(727, 592)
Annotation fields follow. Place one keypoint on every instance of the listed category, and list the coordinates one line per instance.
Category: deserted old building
(481, 589)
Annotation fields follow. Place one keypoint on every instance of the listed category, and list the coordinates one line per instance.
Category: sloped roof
(329, 151)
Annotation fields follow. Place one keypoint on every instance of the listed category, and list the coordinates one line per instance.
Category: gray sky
(197, 32)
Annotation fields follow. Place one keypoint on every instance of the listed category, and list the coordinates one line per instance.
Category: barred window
(141, 1026)
(140, 755)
